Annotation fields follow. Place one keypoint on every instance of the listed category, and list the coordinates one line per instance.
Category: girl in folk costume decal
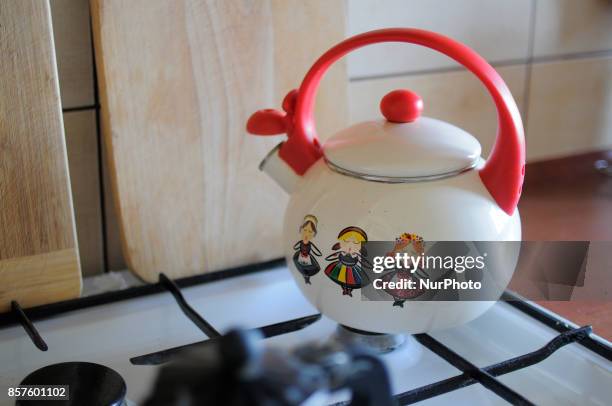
(304, 257)
(403, 244)
(347, 267)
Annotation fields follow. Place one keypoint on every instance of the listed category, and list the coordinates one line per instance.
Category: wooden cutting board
(38, 253)
(178, 81)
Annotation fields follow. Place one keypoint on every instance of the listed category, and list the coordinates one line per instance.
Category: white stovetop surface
(111, 334)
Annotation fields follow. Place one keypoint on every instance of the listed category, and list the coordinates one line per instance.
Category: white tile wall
(563, 88)
(82, 149)
(456, 97)
(570, 26)
(497, 29)
(570, 108)
(72, 37)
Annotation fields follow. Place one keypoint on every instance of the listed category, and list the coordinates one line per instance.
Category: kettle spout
(299, 152)
(279, 170)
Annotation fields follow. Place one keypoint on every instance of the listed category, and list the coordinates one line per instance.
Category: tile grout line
(450, 69)
(101, 182)
(529, 67)
(498, 64)
(80, 108)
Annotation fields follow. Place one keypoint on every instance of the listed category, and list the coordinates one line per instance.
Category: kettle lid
(403, 146)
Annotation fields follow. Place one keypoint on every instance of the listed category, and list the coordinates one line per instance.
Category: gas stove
(516, 353)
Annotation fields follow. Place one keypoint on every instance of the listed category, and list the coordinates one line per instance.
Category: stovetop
(112, 333)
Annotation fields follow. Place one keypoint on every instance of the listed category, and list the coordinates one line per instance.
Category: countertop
(568, 199)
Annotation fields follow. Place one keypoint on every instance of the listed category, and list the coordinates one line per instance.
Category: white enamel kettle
(404, 177)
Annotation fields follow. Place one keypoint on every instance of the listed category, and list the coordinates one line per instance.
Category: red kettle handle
(503, 171)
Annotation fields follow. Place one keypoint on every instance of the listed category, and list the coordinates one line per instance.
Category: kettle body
(456, 208)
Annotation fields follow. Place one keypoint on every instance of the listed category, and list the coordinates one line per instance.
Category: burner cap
(378, 342)
(90, 384)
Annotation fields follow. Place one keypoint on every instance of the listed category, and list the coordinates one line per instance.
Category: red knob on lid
(401, 106)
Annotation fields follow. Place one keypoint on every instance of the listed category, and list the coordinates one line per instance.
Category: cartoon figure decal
(304, 257)
(403, 244)
(347, 267)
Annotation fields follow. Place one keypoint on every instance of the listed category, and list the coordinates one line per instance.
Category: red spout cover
(267, 122)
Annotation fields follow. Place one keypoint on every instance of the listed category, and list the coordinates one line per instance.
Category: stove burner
(378, 342)
(89, 384)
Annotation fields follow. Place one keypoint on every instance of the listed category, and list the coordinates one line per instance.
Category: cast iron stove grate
(470, 375)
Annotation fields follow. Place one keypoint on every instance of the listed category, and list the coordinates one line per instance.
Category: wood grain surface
(38, 251)
(177, 82)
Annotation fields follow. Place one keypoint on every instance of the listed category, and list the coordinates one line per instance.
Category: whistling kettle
(404, 178)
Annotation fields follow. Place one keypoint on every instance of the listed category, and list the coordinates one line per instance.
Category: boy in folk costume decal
(304, 257)
(402, 245)
(348, 260)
